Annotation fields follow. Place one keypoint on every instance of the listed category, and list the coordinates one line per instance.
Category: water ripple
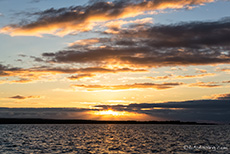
(114, 138)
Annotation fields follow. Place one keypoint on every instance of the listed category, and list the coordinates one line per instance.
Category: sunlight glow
(111, 112)
(119, 115)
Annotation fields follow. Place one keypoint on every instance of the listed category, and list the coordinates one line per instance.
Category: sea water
(114, 138)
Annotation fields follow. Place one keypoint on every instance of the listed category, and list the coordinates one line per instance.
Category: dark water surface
(114, 138)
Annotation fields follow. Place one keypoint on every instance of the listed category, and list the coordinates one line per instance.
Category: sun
(110, 112)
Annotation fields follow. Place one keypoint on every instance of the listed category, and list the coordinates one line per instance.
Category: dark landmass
(68, 121)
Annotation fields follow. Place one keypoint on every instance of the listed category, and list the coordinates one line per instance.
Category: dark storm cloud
(196, 110)
(194, 43)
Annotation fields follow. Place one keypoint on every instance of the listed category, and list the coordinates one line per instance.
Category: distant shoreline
(78, 121)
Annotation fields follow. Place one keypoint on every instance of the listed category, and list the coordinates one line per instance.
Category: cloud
(223, 96)
(190, 34)
(25, 97)
(227, 69)
(48, 113)
(161, 77)
(39, 73)
(220, 96)
(76, 19)
(84, 42)
(35, 1)
(192, 43)
(204, 84)
(5, 70)
(201, 71)
(195, 76)
(173, 77)
(115, 26)
(194, 110)
(87, 70)
(80, 76)
(165, 85)
(191, 104)
(68, 113)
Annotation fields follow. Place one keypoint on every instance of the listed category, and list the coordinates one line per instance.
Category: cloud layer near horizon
(194, 110)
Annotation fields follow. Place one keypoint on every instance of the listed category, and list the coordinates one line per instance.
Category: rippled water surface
(114, 138)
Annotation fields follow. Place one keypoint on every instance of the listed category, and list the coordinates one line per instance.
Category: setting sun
(111, 112)
(119, 115)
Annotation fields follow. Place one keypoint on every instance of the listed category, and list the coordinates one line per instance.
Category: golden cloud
(73, 20)
(204, 84)
(165, 85)
(172, 77)
(39, 73)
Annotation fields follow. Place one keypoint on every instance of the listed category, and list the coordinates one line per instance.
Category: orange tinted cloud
(165, 85)
(225, 96)
(224, 69)
(80, 76)
(195, 76)
(80, 19)
(85, 42)
(39, 73)
(114, 26)
(161, 77)
(181, 76)
(204, 84)
(201, 71)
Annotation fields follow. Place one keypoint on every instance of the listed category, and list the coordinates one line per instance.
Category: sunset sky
(145, 59)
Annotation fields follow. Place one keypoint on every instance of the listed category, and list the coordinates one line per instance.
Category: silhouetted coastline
(70, 121)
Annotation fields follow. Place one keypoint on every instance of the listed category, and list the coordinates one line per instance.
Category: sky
(115, 60)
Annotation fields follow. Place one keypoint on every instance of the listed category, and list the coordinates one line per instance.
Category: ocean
(114, 138)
